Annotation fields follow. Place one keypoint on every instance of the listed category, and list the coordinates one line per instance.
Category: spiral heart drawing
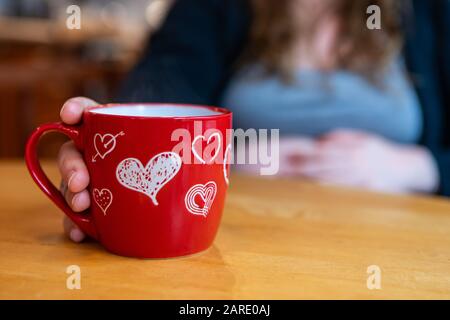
(203, 192)
(149, 179)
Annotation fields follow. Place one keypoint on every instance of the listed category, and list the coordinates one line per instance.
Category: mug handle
(83, 221)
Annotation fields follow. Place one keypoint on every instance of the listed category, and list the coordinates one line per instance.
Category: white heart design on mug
(226, 164)
(104, 144)
(207, 193)
(149, 180)
(103, 198)
(201, 137)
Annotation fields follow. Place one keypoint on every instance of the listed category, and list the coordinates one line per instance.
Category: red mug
(154, 194)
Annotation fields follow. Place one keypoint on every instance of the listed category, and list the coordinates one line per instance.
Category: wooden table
(279, 239)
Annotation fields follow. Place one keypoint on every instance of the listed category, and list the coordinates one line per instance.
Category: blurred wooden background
(42, 64)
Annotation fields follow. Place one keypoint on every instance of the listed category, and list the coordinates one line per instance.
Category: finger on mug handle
(72, 231)
(72, 110)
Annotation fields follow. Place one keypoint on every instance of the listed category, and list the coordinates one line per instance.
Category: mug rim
(223, 112)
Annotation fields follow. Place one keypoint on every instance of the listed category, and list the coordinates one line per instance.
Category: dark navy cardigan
(192, 57)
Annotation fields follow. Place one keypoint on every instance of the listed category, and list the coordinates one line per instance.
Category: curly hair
(275, 30)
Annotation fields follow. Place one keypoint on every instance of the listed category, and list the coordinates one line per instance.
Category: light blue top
(315, 103)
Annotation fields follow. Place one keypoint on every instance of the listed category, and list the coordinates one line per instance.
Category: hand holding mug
(74, 173)
(131, 168)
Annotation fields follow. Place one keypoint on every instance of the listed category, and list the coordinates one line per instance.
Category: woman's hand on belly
(360, 159)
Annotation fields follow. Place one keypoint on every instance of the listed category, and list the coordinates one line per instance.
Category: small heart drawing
(104, 144)
(201, 137)
(206, 192)
(103, 198)
(149, 180)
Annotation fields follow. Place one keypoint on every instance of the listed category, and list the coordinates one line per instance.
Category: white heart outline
(102, 138)
(200, 189)
(194, 152)
(225, 159)
(101, 192)
(159, 186)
